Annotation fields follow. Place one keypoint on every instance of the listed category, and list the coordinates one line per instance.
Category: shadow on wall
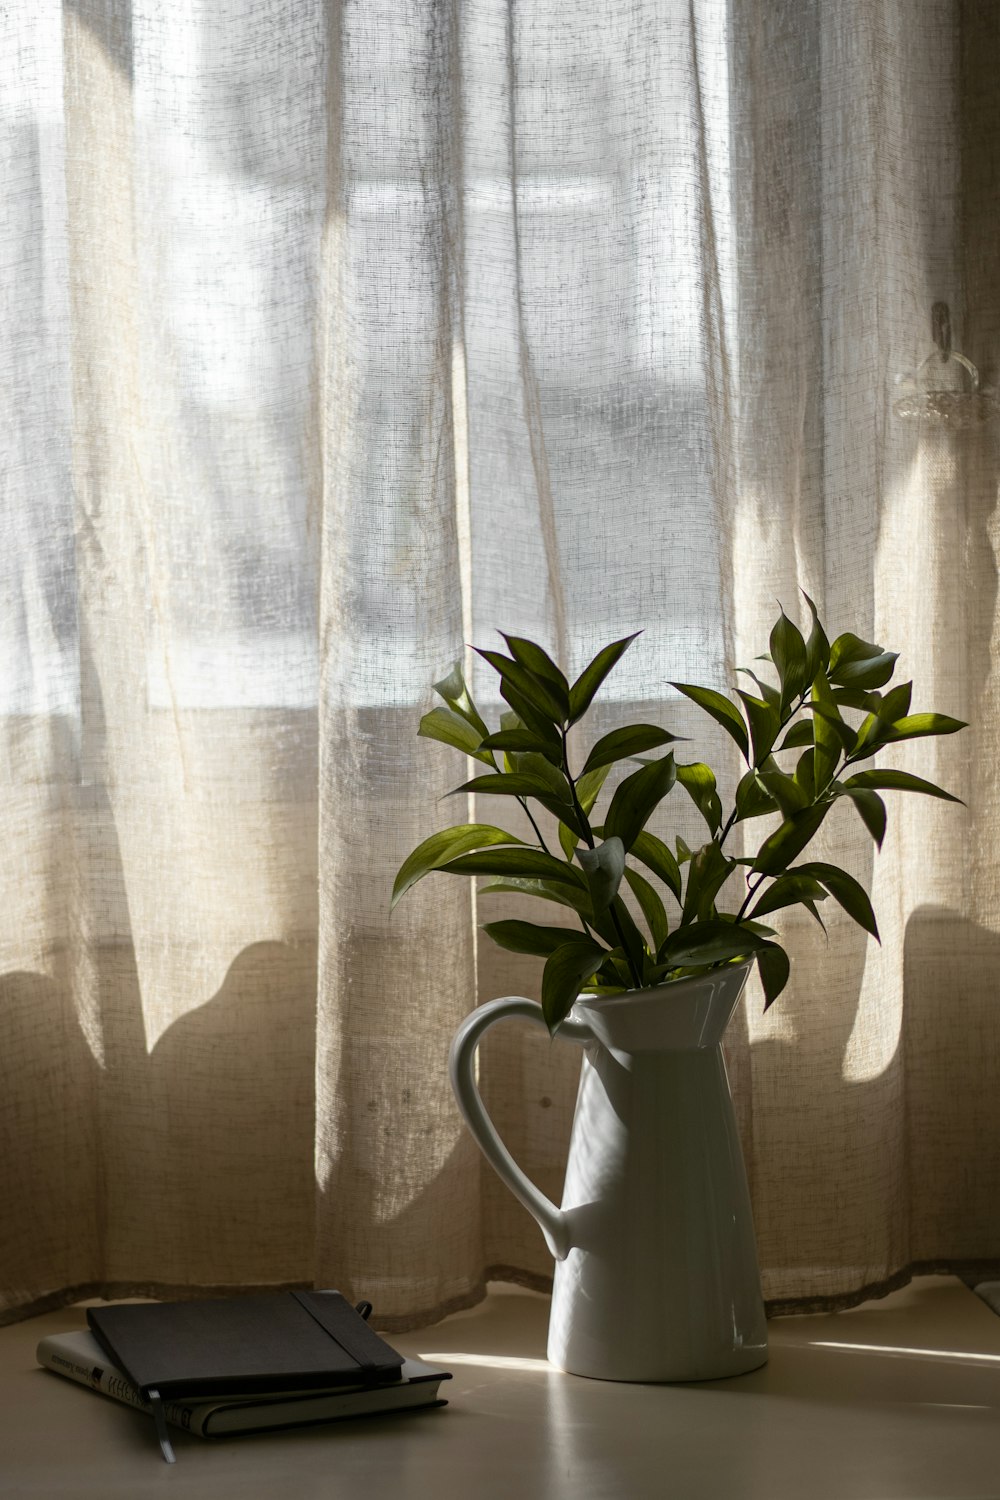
(952, 1049)
(193, 1166)
(190, 1166)
(853, 1182)
(428, 1215)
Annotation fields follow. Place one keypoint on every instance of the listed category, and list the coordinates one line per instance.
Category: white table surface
(896, 1400)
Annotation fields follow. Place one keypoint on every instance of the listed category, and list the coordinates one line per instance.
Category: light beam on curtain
(337, 336)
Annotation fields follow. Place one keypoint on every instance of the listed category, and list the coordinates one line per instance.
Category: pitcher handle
(461, 1065)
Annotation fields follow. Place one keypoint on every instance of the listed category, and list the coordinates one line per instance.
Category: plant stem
(755, 765)
(590, 841)
(538, 832)
(751, 893)
(721, 837)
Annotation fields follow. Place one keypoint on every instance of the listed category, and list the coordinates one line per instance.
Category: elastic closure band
(337, 1317)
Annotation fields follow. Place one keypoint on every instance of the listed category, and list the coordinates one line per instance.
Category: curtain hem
(110, 1291)
(967, 1270)
(532, 1281)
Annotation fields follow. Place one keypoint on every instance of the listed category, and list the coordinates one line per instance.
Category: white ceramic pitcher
(656, 1273)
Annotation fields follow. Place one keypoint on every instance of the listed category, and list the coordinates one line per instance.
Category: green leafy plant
(800, 750)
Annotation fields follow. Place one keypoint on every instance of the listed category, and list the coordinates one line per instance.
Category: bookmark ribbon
(166, 1447)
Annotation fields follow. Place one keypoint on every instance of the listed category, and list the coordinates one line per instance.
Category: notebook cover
(244, 1344)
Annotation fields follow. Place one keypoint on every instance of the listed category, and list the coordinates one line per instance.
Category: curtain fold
(340, 336)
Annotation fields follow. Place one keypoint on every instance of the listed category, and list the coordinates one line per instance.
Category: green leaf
(765, 724)
(588, 786)
(574, 897)
(654, 972)
(636, 798)
(785, 790)
(870, 807)
(869, 737)
(721, 710)
(527, 937)
(856, 663)
(774, 967)
(788, 652)
(537, 661)
(897, 781)
(828, 730)
(542, 695)
(849, 648)
(651, 906)
(698, 780)
(568, 840)
(621, 743)
(443, 846)
(846, 890)
(789, 840)
(872, 674)
(655, 855)
(456, 694)
(452, 688)
(915, 726)
(565, 971)
(533, 763)
(896, 703)
(769, 694)
(530, 716)
(530, 862)
(817, 646)
(634, 941)
(890, 721)
(604, 867)
(800, 734)
(581, 694)
(614, 971)
(752, 799)
(452, 729)
(805, 775)
(510, 724)
(707, 874)
(851, 697)
(512, 741)
(650, 969)
(813, 911)
(760, 928)
(829, 712)
(788, 890)
(520, 785)
(708, 943)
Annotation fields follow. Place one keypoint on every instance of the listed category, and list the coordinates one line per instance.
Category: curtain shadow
(110, 23)
(904, 1165)
(807, 1128)
(230, 1090)
(183, 1170)
(50, 1226)
(952, 1060)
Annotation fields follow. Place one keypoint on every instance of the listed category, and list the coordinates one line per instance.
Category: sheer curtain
(337, 336)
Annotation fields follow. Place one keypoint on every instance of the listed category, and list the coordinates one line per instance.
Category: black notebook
(239, 1345)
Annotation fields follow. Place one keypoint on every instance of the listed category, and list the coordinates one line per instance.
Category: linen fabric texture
(338, 335)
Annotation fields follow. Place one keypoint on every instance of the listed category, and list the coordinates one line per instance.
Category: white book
(79, 1357)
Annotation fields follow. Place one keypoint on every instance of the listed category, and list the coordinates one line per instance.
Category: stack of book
(234, 1365)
